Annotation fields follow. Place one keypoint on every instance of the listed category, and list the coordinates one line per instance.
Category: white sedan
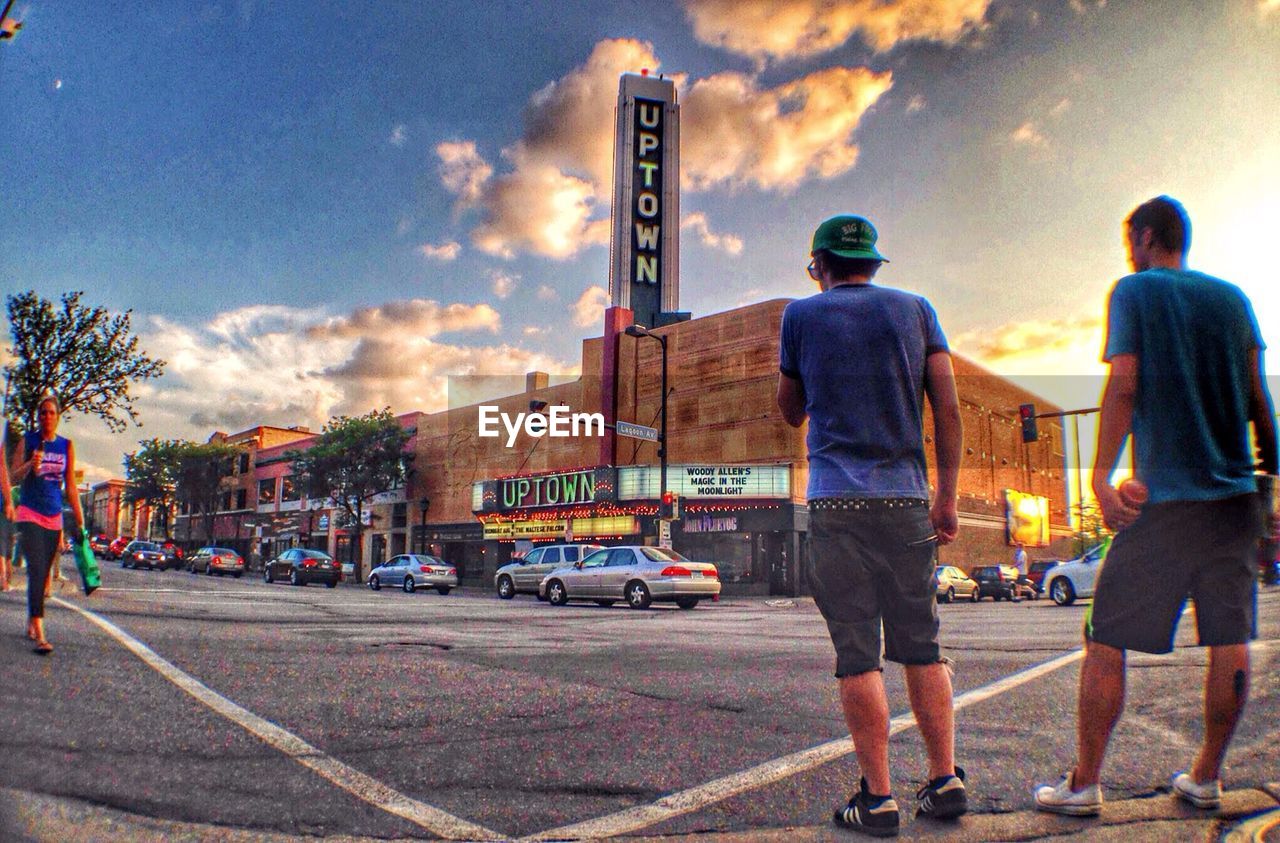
(638, 574)
(1075, 578)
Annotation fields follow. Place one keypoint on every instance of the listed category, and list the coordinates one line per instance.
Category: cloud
(775, 30)
(728, 243)
(554, 199)
(502, 283)
(462, 169)
(916, 103)
(588, 310)
(547, 293)
(1268, 7)
(1064, 105)
(1028, 134)
(739, 134)
(1080, 7)
(286, 366)
(1037, 346)
(536, 331)
(399, 135)
(444, 252)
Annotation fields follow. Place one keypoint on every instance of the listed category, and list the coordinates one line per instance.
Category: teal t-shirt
(1192, 334)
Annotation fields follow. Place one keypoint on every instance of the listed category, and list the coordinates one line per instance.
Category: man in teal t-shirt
(1187, 381)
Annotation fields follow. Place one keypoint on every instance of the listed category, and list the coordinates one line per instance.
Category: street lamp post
(642, 331)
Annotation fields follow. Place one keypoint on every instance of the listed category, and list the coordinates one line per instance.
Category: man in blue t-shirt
(857, 360)
(1186, 380)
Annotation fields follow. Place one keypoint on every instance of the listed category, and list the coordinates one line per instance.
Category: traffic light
(1027, 412)
(670, 508)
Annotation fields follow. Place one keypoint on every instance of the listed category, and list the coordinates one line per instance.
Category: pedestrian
(45, 466)
(1022, 585)
(1186, 380)
(6, 518)
(856, 360)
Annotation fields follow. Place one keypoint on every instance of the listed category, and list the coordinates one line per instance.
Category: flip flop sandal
(44, 648)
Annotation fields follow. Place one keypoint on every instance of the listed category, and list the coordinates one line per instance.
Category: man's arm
(1262, 413)
(791, 399)
(1114, 426)
(948, 436)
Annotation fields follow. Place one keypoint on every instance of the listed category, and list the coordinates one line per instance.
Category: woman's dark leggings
(39, 547)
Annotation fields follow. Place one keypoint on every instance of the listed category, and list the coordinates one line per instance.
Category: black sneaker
(874, 815)
(943, 798)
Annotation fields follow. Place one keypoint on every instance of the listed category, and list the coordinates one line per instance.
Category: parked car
(523, 576)
(637, 574)
(142, 554)
(216, 560)
(1035, 573)
(301, 566)
(996, 581)
(1075, 578)
(413, 570)
(116, 549)
(172, 553)
(952, 583)
(100, 544)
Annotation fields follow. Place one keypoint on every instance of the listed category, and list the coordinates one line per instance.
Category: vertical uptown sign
(644, 271)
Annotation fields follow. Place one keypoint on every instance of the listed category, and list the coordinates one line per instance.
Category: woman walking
(45, 466)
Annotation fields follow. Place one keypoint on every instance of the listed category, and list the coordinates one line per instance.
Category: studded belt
(865, 504)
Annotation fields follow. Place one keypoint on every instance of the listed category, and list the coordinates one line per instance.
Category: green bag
(86, 564)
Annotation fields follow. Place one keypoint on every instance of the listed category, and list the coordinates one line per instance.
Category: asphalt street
(520, 718)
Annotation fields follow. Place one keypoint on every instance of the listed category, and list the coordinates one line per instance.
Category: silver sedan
(637, 574)
(411, 571)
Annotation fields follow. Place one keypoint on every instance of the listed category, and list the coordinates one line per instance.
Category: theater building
(739, 469)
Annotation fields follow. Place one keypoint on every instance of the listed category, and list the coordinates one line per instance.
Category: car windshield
(145, 546)
(314, 554)
(662, 554)
(223, 551)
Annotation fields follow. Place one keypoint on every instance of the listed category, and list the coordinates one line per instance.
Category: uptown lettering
(648, 192)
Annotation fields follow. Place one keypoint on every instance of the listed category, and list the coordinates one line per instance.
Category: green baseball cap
(848, 236)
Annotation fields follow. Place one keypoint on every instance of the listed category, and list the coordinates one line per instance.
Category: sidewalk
(38, 817)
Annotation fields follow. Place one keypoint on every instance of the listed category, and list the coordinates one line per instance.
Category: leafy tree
(152, 473)
(352, 460)
(1091, 530)
(86, 356)
(201, 478)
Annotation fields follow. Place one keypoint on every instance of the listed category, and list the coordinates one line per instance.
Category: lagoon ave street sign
(637, 431)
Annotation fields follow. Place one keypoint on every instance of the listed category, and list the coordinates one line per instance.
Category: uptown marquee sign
(570, 488)
(644, 270)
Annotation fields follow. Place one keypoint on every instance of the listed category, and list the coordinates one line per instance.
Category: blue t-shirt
(42, 487)
(1192, 334)
(859, 350)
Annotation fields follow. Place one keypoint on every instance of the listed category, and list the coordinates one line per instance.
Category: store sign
(582, 528)
(1027, 518)
(706, 482)
(707, 524)
(646, 192)
(571, 488)
(322, 523)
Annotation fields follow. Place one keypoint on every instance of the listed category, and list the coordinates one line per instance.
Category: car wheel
(374, 582)
(506, 588)
(443, 589)
(409, 585)
(1062, 592)
(266, 574)
(556, 595)
(208, 572)
(638, 596)
(950, 596)
(330, 583)
(686, 602)
(294, 579)
(974, 596)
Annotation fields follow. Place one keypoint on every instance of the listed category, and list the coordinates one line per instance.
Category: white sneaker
(1062, 799)
(1207, 795)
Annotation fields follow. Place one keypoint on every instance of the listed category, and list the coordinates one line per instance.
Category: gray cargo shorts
(871, 563)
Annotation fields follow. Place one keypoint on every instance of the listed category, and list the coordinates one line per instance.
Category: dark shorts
(1205, 550)
(874, 566)
(7, 530)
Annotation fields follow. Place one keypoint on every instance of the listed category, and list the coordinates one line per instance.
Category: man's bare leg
(929, 689)
(1226, 688)
(1101, 702)
(866, 712)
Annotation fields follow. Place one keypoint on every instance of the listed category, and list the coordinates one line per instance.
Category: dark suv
(996, 581)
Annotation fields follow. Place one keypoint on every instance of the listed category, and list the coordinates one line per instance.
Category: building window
(243, 464)
(266, 491)
(288, 491)
(399, 516)
(241, 497)
(226, 502)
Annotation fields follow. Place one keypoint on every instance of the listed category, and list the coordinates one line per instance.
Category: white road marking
(696, 798)
(349, 779)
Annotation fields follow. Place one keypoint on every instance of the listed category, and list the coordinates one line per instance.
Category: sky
(319, 208)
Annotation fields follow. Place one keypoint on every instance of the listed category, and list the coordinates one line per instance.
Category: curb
(1246, 815)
